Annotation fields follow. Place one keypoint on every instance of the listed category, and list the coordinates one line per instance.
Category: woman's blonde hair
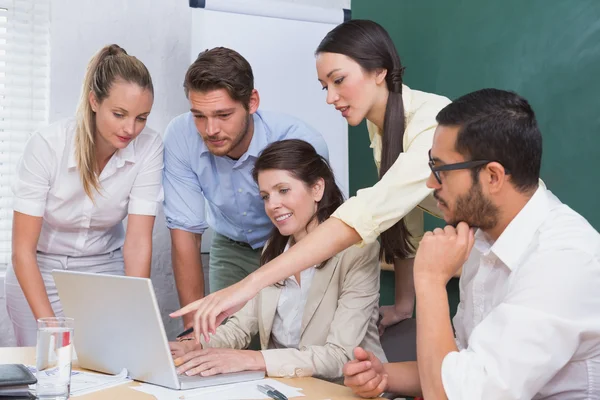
(108, 65)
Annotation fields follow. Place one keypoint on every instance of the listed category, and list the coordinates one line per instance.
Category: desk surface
(314, 389)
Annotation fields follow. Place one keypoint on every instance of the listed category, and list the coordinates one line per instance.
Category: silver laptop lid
(117, 325)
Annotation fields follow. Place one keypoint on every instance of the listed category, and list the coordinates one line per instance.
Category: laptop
(118, 325)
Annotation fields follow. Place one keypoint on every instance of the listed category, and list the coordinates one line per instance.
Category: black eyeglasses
(453, 167)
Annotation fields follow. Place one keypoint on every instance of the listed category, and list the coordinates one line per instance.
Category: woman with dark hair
(310, 322)
(359, 67)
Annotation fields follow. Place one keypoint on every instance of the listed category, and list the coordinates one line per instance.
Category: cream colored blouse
(402, 192)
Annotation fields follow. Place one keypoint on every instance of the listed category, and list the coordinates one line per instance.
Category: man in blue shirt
(209, 156)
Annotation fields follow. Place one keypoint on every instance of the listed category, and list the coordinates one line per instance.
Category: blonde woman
(76, 182)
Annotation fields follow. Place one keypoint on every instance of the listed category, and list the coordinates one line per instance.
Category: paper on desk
(89, 382)
(234, 391)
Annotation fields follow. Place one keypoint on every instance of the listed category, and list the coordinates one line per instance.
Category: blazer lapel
(269, 298)
(318, 287)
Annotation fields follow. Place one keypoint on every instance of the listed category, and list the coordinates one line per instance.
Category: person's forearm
(403, 378)
(328, 239)
(405, 286)
(138, 258)
(187, 269)
(258, 361)
(31, 282)
(236, 333)
(435, 337)
(326, 361)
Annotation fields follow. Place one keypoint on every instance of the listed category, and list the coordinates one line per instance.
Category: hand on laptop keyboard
(213, 361)
(178, 349)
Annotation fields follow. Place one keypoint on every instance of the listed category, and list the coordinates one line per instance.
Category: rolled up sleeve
(147, 192)
(34, 175)
(374, 210)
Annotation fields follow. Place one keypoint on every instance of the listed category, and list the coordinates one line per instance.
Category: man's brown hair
(221, 68)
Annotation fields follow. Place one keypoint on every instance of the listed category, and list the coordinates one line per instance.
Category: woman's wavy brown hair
(302, 161)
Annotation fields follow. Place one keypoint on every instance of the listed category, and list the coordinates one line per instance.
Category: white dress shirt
(528, 322)
(287, 324)
(48, 185)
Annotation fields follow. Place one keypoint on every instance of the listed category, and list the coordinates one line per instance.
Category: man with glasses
(527, 325)
(453, 167)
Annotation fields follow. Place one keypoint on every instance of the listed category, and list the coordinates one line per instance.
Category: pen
(271, 392)
(186, 332)
(276, 392)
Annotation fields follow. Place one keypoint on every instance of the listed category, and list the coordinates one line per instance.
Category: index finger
(463, 231)
(204, 319)
(186, 309)
(200, 328)
(356, 367)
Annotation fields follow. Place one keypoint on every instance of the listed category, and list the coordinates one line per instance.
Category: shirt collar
(517, 237)
(125, 155)
(121, 156)
(483, 244)
(259, 139)
(286, 248)
(406, 100)
(72, 158)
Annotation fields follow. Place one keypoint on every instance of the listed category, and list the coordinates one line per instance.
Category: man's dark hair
(221, 68)
(498, 125)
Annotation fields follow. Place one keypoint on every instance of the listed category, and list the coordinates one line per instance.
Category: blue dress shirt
(203, 190)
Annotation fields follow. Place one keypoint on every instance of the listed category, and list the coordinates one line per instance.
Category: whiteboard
(281, 53)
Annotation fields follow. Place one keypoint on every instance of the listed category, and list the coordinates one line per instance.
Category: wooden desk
(314, 389)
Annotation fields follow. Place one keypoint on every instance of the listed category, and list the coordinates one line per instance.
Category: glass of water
(53, 357)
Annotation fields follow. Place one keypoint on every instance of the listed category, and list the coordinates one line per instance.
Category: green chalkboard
(546, 50)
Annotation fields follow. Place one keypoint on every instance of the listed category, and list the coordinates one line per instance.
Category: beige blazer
(341, 313)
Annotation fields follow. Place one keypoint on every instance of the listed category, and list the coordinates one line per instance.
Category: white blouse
(48, 185)
(287, 324)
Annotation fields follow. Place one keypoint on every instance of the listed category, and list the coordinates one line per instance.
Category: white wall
(158, 33)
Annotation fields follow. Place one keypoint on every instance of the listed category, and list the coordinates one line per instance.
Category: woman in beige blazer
(309, 323)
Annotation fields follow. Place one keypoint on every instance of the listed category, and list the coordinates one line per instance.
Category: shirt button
(244, 213)
(240, 190)
(249, 230)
